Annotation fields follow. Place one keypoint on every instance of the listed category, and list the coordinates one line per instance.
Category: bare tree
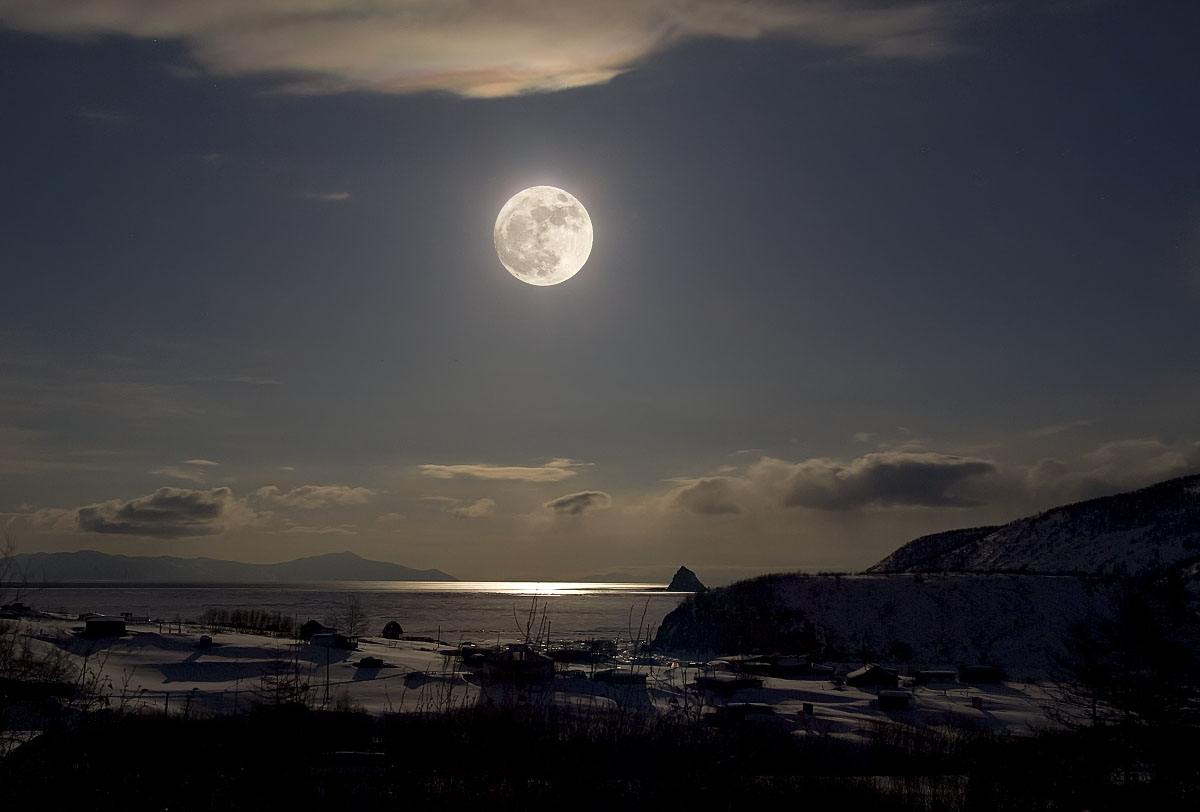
(12, 578)
(352, 619)
(283, 683)
(1129, 680)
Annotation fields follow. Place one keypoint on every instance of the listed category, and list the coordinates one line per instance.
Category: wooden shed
(392, 630)
(873, 675)
(334, 640)
(310, 628)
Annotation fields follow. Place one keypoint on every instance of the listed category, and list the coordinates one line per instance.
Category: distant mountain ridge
(1153, 528)
(89, 565)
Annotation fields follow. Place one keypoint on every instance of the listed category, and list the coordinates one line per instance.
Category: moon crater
(543, 235)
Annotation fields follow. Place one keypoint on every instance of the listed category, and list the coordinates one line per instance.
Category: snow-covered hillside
(1146, 530)
(923, 621)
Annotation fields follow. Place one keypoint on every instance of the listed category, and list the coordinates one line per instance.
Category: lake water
(479, 611)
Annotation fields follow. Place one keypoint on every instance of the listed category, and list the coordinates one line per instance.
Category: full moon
(543, 235)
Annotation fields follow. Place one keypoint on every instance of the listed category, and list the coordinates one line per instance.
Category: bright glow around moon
(543, 235)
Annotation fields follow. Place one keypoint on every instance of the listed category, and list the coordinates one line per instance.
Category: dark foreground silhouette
(527, 758)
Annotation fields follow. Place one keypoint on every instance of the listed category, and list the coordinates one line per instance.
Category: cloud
(888, 479)
(310, 497)
(1117, 466)
(176, 472)
(554, 471)
(324, 530)
(475, 510)
(709, 496)
(189, 474)
(328, 197)
(577, 504)
(884, 479)
(167, 513)
(60, 520)
(484, 48)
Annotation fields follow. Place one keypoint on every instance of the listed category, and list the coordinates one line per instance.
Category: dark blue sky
(885, 273)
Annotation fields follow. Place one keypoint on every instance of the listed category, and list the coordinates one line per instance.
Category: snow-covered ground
(153, 670)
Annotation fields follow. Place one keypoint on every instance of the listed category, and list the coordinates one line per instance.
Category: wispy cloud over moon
(484, 48)
(554, 471)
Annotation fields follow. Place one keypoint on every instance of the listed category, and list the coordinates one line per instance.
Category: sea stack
(686, 581)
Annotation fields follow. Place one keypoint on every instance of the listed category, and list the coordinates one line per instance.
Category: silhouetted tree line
(248, 620)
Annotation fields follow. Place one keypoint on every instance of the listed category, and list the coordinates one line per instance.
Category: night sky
(860, 272)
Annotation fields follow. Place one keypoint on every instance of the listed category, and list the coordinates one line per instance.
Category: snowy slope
(925, 621)
(1149, 529)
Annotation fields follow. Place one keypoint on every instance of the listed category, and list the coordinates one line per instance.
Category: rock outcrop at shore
(686, 581)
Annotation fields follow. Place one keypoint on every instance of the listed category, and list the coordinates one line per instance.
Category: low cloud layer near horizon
(925, 479)
(872, 484)
(483, 49)
(166, 513)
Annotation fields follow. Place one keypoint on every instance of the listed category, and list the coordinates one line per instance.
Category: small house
(332, 639)
(393, 630)
(873, 675)
(753, 713)
(310, 628)
(103, 626)
(517, 662)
